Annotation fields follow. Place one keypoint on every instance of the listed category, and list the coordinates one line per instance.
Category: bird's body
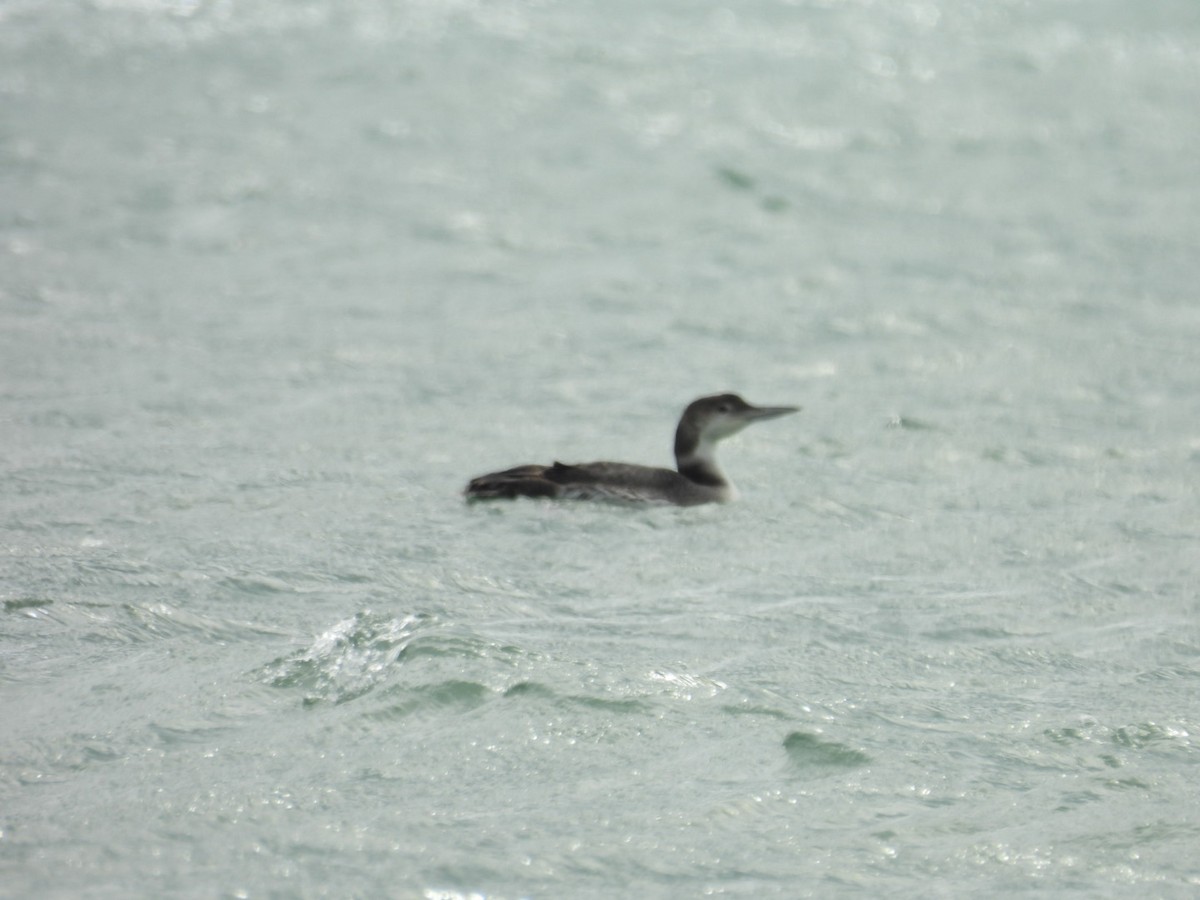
(611, 481)
(697, 478)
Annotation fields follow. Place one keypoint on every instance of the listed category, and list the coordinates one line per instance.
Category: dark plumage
(697, 480)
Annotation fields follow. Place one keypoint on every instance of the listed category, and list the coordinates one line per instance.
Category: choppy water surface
(275, 281)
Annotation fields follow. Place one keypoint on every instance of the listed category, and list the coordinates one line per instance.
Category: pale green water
(275, 281)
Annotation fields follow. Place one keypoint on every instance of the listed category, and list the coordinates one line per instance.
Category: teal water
(276, 280)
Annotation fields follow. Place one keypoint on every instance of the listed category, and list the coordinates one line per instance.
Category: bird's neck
(696, 459)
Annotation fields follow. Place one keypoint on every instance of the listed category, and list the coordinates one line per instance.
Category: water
(277, 279)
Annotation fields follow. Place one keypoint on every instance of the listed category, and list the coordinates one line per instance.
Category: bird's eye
(724, 407)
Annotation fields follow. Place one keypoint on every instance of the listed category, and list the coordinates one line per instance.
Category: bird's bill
(755, 413)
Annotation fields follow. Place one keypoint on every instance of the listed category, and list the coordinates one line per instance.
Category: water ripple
(348, 660)
(808, 751)
(367, 651)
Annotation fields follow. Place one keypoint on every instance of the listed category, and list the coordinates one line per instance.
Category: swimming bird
(696, 479)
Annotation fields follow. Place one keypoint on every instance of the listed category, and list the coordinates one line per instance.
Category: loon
(698, 480)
